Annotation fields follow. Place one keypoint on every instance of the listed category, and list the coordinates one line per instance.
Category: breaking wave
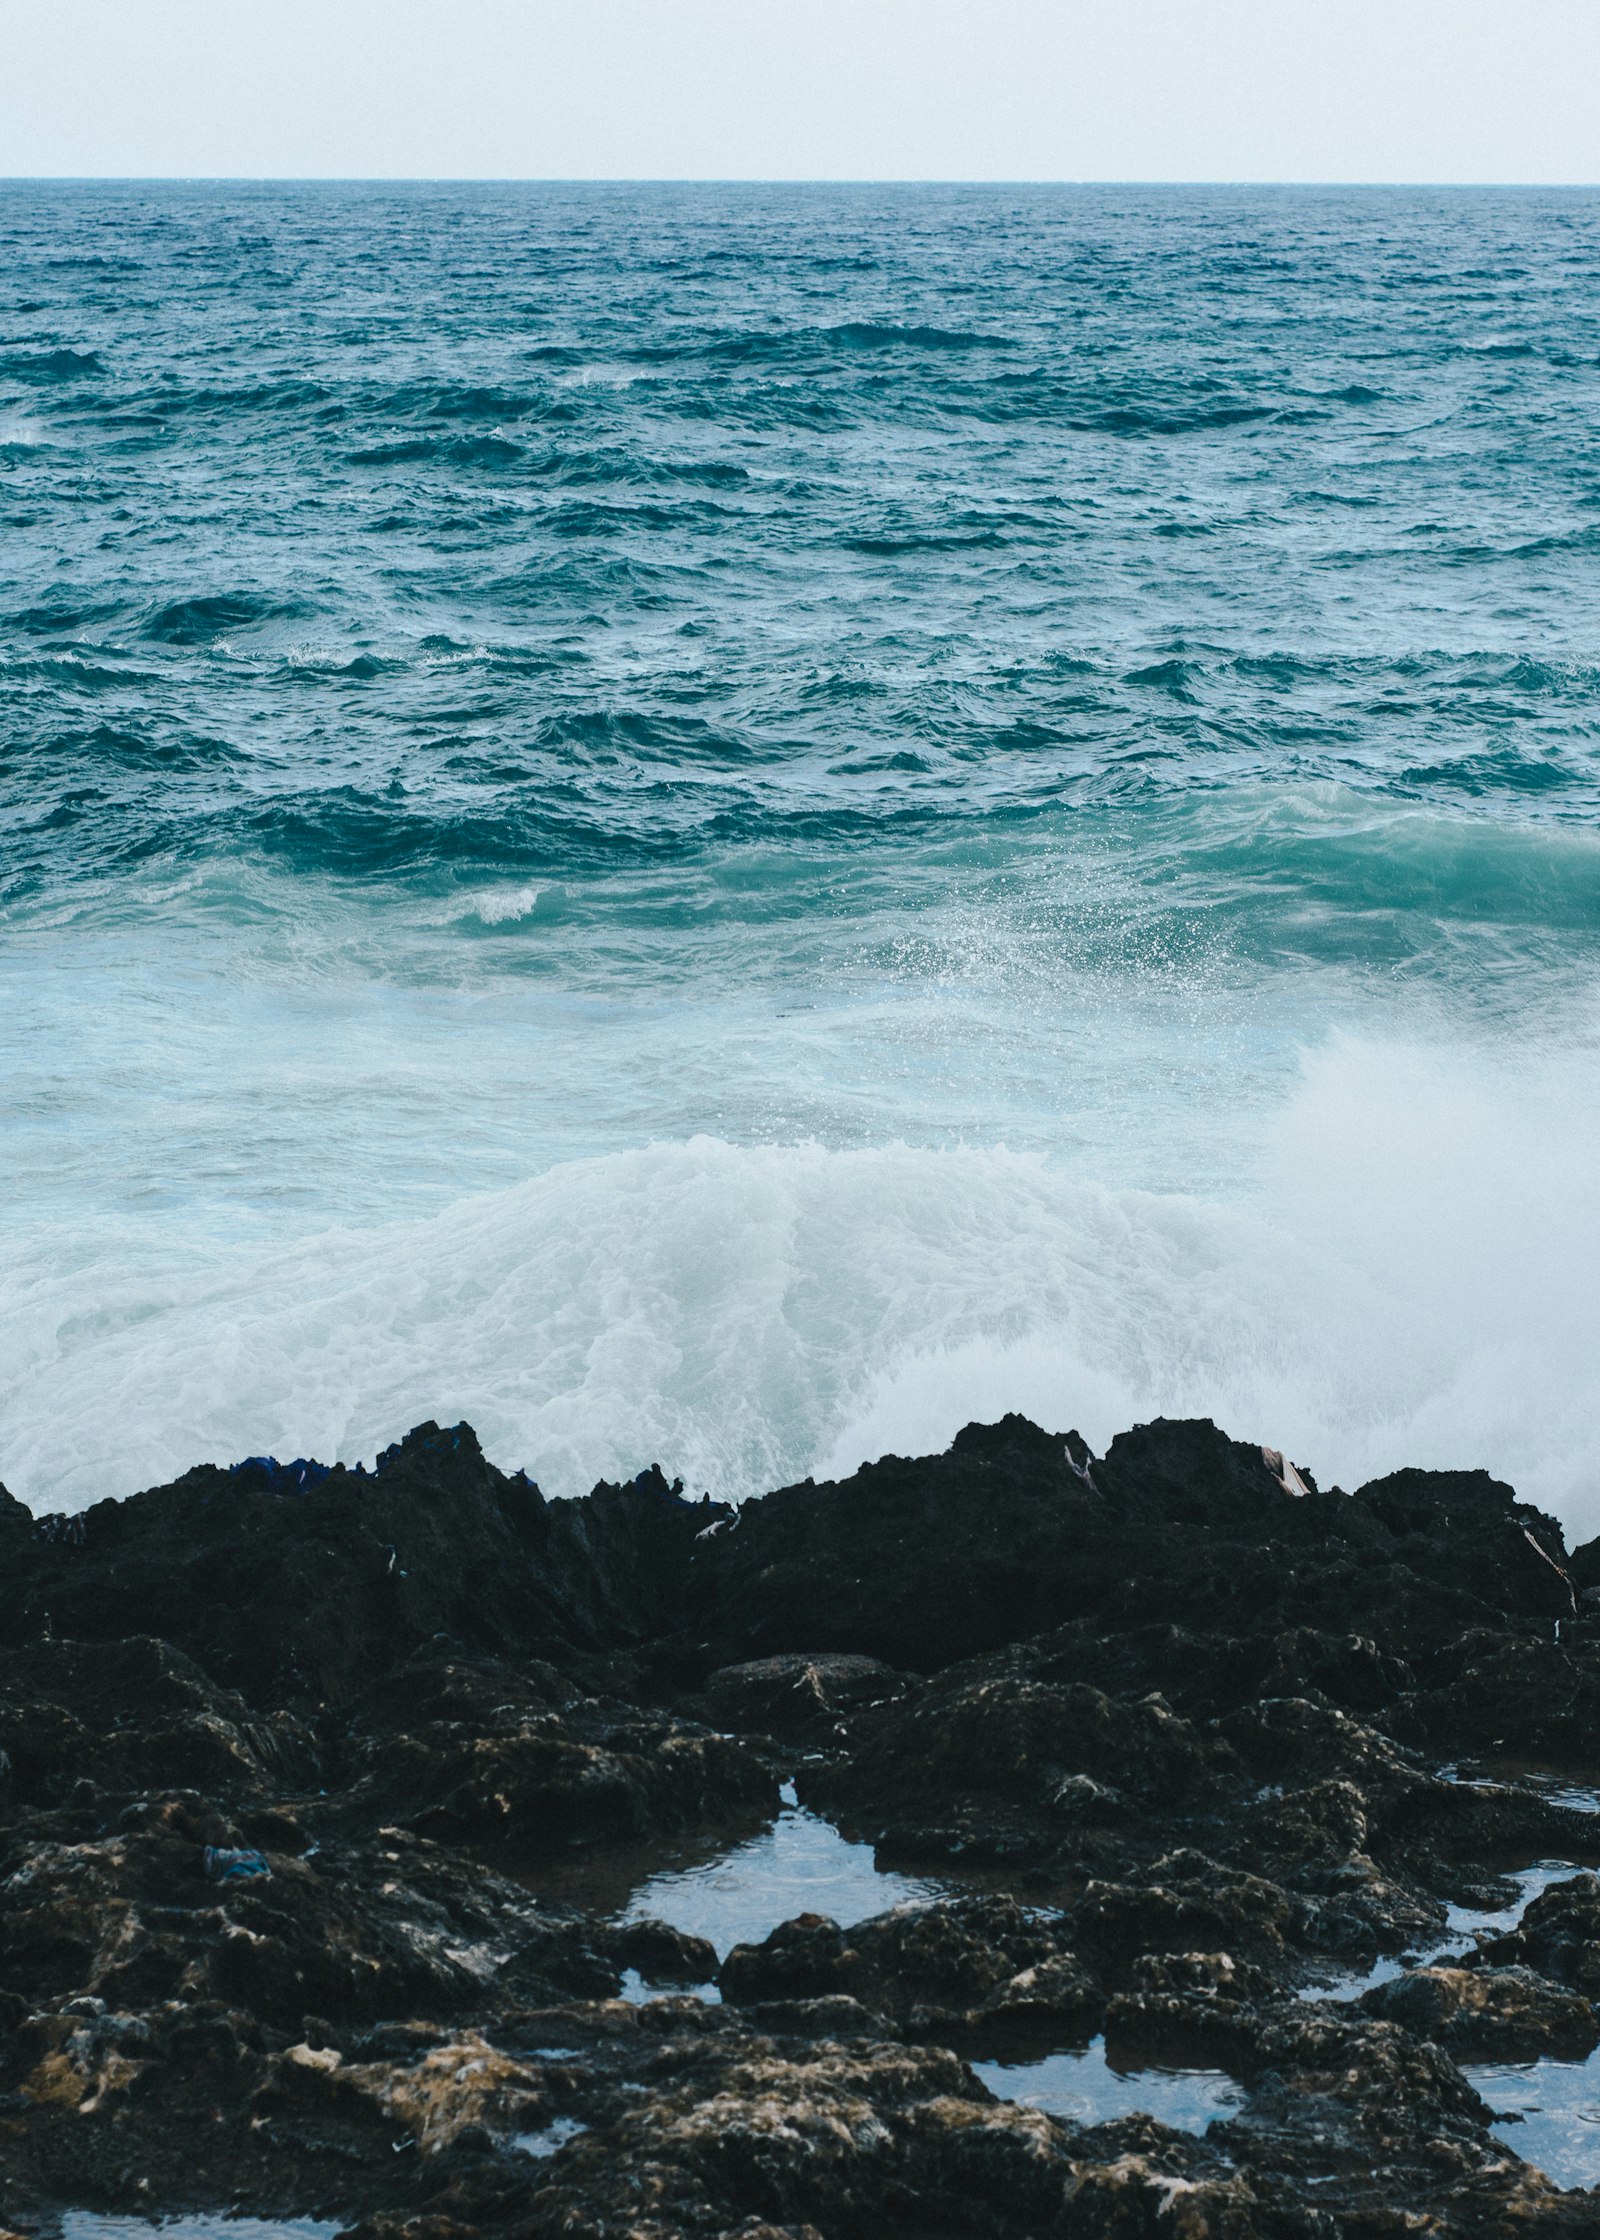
(1412, 1279)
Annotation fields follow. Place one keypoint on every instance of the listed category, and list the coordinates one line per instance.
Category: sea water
(736, 824)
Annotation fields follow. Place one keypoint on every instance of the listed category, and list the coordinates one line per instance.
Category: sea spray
(1396, 1287)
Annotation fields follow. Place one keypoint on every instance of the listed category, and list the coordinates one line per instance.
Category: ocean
(734, 824)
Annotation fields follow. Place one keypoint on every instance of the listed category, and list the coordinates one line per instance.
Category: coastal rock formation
(323, 1794)
(1489, 2014)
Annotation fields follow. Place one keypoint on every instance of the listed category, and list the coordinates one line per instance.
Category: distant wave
(50, 365)
(456, 451)
(858, 334)
(207, 615)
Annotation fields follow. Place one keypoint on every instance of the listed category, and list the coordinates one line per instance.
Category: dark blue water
(739, 822)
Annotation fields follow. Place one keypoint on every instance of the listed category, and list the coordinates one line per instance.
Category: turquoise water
(734, 824)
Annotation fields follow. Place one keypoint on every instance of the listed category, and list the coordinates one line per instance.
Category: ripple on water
(1087, 2088)
(801, 1864)
(1517, 1773)
(1558, 2103)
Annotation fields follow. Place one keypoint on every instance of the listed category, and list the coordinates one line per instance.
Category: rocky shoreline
(323, 1794)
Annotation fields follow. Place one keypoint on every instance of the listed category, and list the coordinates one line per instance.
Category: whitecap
(1413, 1280)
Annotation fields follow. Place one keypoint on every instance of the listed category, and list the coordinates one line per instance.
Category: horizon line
(740, 179)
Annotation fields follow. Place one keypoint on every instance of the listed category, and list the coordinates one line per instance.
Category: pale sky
(1401, 90)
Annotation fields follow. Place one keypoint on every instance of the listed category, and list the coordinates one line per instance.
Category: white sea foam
(1414, 1278)
(498, 906)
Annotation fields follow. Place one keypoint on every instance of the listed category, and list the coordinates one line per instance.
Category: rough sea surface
(736, 824)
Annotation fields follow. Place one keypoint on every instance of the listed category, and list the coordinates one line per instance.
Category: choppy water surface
(738, 823)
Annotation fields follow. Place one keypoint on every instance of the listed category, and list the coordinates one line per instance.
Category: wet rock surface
(334, 1804)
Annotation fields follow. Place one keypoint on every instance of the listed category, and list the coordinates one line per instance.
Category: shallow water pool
(639, 1992)
(1553, 1787)
(801, 1864)
(1559, 2106)
(1531, 1882)
(1465, 1924)
(1085, 2087)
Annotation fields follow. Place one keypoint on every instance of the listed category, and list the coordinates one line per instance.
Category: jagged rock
(460, 2085)
(1558, 1935)
(134, 1715)
(956, 1956)
(1523, 1694)
(984, 1762)
(661, 1953)
(925, 1562)
(1488, 2014)
(295, 1597)
(293, 1761)
(135, 1920)
(1181, 2008)
(1190, 1903)
(846, 2140)
(801, 1698)
(546, 1784)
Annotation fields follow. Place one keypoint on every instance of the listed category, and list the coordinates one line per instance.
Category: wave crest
(1412, 1281)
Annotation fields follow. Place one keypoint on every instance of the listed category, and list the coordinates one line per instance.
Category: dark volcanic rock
(292, 1759)
(301, 1596)
(1016, 1531)
(1524, 1693)
(945, 1962)
(548, 1783)
(136, 1714)
(842, 2140)
(139, 1918)
(521, 1759)
(1559, 1935)
(1188, 1903)
(800, 1698)
(984, 1762)
(1489, 2014)
(16, 1528)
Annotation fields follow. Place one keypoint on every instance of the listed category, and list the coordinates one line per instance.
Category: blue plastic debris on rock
(654, 1481)
(427, 1438)
(225, 1865)
(285, 1478)
(61, 1531)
